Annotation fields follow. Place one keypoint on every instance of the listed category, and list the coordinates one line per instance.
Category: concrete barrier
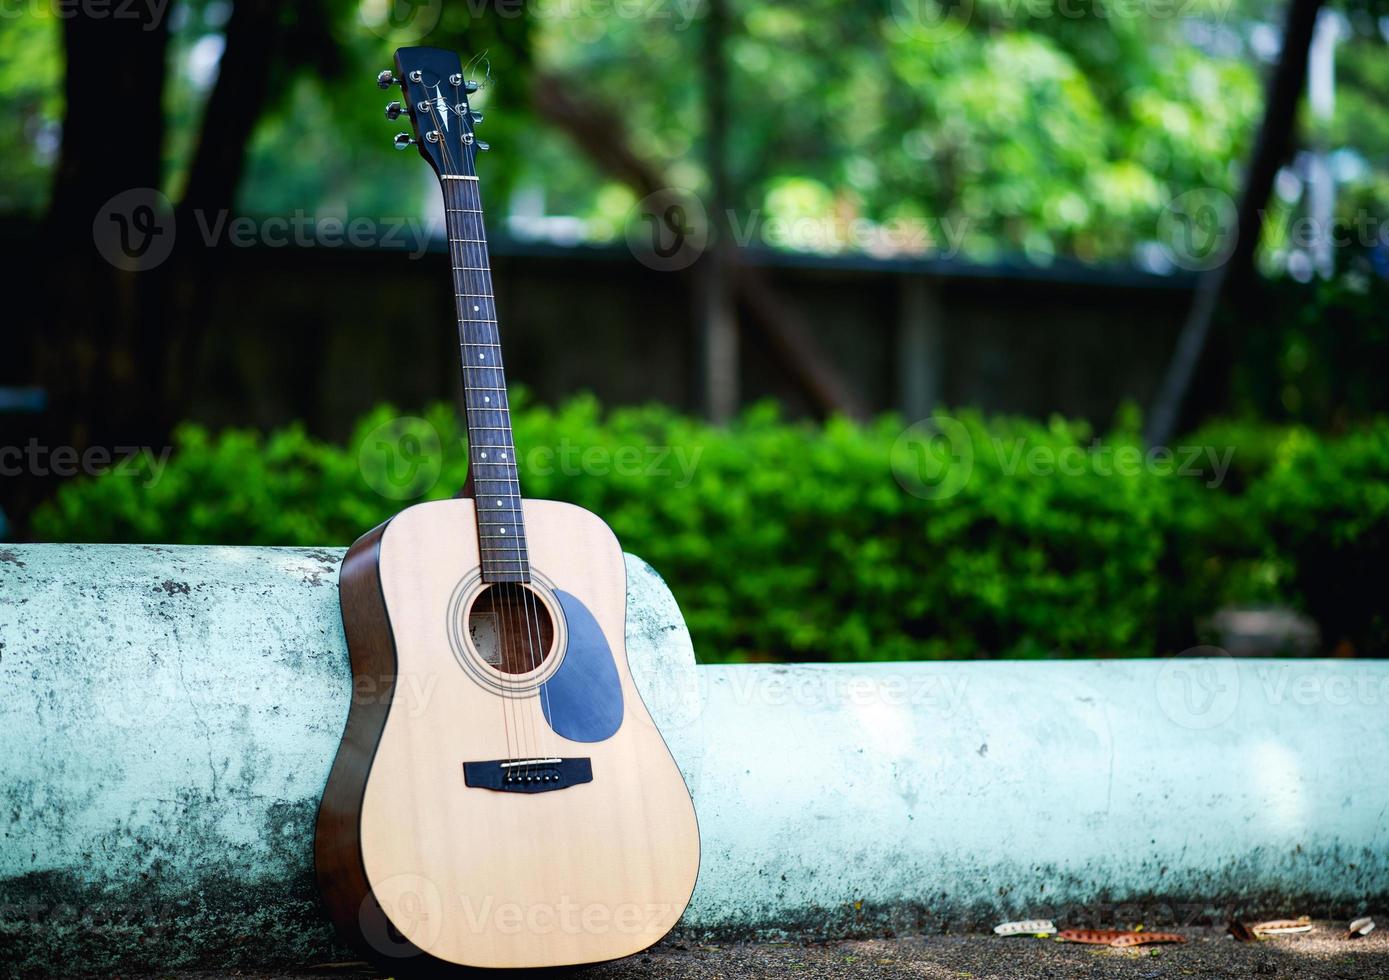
(171, 713)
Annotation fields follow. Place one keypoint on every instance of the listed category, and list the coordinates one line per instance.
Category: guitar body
(498, 805)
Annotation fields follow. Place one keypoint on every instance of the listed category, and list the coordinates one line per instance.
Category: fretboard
(491, 454)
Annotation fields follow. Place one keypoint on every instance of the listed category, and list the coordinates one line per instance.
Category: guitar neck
(491, 452)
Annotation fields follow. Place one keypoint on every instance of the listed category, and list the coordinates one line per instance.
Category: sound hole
(510, 627)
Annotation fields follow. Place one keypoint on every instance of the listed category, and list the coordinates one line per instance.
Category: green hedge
(963, 537)
(1324, 508)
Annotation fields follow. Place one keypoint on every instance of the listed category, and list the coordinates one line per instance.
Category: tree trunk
(1230, 279)
(94, 353)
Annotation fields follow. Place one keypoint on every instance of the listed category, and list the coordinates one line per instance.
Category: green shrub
(1324, 508)
(781, 540)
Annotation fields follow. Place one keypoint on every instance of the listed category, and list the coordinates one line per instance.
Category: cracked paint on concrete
(171, 714)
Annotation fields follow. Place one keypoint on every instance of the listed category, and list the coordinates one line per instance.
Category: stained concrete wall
(170, 715)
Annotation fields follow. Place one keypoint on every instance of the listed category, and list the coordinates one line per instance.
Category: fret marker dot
(503, 455)
(499, 503)
(487, 398)
(474, 309)
(503, 530)
(484, 455)
(482, 357)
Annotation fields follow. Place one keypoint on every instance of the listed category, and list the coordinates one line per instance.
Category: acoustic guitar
(501, 797)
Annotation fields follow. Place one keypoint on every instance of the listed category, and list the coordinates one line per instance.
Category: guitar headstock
(436, 100)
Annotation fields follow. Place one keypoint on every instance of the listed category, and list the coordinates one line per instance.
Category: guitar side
(414, 863)
(342, 881)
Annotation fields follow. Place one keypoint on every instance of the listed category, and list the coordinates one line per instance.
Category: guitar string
(516, 608)
(529, 609)
(530, 604)
(500, 619)
(508, 632)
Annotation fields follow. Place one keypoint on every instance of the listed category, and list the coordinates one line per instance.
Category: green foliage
(31, 65)
(1311, 353)
(990, 127)
(963, 537)
(1325, 507)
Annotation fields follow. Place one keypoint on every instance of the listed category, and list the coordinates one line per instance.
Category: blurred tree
(995, 127)
(118, 343)
(98, 349)
(1230, 279)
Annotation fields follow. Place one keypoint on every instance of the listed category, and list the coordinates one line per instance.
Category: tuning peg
(393, 110)
(456, 80)
(481, 145)
(476, 116)
(402, 140)
(385, 79)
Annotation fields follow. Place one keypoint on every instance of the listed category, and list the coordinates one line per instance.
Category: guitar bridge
(527, 775)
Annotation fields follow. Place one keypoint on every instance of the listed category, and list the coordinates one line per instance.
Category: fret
(497, 489)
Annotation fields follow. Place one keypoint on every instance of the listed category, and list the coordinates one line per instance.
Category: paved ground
(1322, 953)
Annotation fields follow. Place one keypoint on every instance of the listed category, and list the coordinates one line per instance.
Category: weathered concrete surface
(171, 714)
(1323, 954)
(169, 720)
